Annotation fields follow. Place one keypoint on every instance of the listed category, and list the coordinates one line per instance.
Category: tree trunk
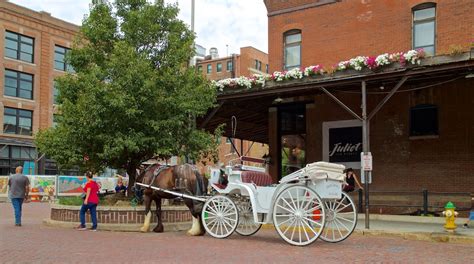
(131, 171)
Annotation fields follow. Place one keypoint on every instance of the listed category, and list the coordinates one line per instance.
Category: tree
(132, 96)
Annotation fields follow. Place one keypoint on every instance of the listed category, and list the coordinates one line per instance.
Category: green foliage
(73, 200)
(132, 96)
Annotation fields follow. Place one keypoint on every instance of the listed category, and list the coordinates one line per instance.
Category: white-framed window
(424, 27)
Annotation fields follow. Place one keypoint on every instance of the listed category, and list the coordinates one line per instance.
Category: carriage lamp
(450, 215)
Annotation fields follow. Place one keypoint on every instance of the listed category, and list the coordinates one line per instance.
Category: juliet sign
(345, 144)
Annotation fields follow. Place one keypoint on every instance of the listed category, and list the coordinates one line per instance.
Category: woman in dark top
(351, 180)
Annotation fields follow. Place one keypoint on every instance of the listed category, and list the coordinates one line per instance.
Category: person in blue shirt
(120, 188)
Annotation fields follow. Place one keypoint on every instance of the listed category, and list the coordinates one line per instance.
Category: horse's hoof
(158, 229)
(144, 230)
(193, 233)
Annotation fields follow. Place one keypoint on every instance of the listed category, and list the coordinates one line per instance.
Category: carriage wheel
(298, 215)
(341, 219)
(247, 225)
(220, 216)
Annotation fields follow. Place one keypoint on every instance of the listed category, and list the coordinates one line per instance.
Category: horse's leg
(196, 229)
(146, 225)
(159, 226)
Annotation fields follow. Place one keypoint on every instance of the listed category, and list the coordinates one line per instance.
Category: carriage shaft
(182, 195)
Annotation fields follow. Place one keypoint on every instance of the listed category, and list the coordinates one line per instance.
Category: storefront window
(292, 130)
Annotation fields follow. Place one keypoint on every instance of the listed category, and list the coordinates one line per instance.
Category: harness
(156, 173)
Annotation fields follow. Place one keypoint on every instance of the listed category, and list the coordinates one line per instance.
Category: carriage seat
(256, 177)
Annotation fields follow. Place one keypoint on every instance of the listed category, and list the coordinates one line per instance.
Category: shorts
(471, 215)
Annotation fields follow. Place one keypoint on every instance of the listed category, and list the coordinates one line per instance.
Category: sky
(236, 23)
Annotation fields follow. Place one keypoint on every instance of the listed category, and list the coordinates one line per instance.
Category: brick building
(420, 138)
(249, 61)
(33, 46)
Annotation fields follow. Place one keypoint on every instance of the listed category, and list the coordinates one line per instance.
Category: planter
(174, 218)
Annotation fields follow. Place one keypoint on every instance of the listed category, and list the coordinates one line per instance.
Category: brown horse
(179, 178)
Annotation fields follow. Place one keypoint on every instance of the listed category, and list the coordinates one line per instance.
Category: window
(200, 68)
(17, 121)
(19, 47)
(258, 65)
(209, 68)
(55, 93)
(13, 156)
(266, 68)
(292, 41)
(424, 120)
(219, 67)
(18, 84)
(229, 65)
(59, 59)
(292, 131)
(424, 27)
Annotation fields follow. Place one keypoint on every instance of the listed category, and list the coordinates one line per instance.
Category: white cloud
(218, 23)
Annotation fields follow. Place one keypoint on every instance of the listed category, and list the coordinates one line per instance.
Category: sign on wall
(342, 142)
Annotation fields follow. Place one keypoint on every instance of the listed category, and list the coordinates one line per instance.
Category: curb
(420, 236)
(168, 227)
(417, 236)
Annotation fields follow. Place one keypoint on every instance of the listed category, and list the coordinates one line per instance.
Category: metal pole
(365, 146)
(192, 14)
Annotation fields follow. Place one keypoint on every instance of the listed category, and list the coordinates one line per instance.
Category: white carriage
(304, 206)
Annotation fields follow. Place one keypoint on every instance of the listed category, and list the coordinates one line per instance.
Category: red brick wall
(347, 28)
(248, 55)
(121, 216)
(443, 163)
(47, 32)
(214, 75)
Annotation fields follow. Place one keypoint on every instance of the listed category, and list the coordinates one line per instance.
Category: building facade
(420, 137)
(33, 48)
(249, 61)
(308, 32)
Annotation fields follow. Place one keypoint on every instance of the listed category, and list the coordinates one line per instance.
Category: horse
(180, 178)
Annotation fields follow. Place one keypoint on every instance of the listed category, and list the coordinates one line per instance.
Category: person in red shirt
(91, 201)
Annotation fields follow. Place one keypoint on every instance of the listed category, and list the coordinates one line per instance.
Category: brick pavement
(35, 243)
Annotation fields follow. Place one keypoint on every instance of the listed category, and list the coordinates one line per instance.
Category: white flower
(294, 73)
(382, 59)
(278, 76)
(412, 57)
(357, 62)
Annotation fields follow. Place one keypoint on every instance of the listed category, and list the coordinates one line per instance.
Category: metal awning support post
(387, 97)
(341, 103)
(365, 149)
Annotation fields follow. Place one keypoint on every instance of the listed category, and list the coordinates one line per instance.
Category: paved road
(35, 243)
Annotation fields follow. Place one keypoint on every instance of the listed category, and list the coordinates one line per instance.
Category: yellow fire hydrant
(450, 215)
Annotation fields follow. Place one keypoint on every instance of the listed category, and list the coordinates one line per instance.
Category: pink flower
(371, 63)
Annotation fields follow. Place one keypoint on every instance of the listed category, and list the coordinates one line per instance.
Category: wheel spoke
(310, 228)
(342, 224)
(312, 221)
(289, 205)
(344, 207)
(292, 200)
(345, 219)
(288, 227)
(284, 208)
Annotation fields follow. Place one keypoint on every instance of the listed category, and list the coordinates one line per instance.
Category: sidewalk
(415, 228)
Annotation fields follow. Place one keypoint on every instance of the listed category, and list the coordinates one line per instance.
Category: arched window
(292, 49)
(424, 27)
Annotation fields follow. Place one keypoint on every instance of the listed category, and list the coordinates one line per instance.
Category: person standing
(91, 201)
(351, 181)
(19, 186)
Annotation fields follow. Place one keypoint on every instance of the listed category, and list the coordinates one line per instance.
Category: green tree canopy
(132, 96)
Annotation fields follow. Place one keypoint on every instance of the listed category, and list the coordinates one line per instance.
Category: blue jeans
(17, 204)
(82, 214)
